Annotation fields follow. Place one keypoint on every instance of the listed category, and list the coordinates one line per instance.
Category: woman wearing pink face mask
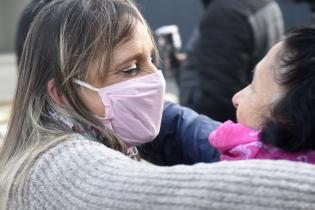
(87, 93)
(175, 120)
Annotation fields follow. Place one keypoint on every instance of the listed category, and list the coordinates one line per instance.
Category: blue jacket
(183, 138)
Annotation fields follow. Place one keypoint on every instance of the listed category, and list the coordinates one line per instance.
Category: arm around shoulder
(80, 174)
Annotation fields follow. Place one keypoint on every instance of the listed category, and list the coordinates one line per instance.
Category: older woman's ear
(54, 95)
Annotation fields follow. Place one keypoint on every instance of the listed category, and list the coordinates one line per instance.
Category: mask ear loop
(90, 87)
(83, 84)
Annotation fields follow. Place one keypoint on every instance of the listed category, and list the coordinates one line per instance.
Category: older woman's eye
(251, 86)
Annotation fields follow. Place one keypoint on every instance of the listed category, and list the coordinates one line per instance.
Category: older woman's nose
(235, 99)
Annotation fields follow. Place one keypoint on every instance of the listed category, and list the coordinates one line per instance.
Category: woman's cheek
(240, 116)
(247, 116)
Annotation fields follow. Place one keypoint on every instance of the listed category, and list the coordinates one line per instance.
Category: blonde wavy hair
(65, 38)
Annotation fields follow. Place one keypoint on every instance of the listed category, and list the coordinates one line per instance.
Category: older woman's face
(253, 103)
(135, 52)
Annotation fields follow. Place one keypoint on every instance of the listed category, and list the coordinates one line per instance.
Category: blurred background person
(311, 3)
(31, 10)
(223, 51)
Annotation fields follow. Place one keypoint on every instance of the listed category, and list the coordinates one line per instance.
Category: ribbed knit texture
(81, 174)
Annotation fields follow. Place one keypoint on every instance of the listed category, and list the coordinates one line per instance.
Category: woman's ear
(53, 93)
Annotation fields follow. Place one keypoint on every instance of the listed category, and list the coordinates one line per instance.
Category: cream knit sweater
(82, 174)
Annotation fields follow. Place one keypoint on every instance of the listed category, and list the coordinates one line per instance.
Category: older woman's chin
(250, 121)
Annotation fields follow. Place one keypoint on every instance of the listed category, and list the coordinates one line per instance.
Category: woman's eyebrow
(133, 57)
(252, 80)
(254, 72)
(127, 61)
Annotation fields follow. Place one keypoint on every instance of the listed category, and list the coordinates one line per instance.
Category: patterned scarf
(87, 131)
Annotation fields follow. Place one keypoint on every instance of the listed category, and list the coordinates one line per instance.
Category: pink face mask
(133, 108)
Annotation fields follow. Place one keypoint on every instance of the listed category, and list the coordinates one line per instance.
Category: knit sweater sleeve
(81, 174)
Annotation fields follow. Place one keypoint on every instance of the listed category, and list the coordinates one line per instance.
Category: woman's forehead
(139, 43)
(271, 62)
(139, 40)
(264, 76)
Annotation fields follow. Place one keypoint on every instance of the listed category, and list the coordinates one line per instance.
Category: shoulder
(74, 150)
(242, 9)
(67, 174)
(75, 154)
(242, 6)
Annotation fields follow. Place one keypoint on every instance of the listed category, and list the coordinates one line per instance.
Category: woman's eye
(131, 71)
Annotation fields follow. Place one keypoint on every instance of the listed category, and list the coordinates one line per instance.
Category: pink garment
(237, 142)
